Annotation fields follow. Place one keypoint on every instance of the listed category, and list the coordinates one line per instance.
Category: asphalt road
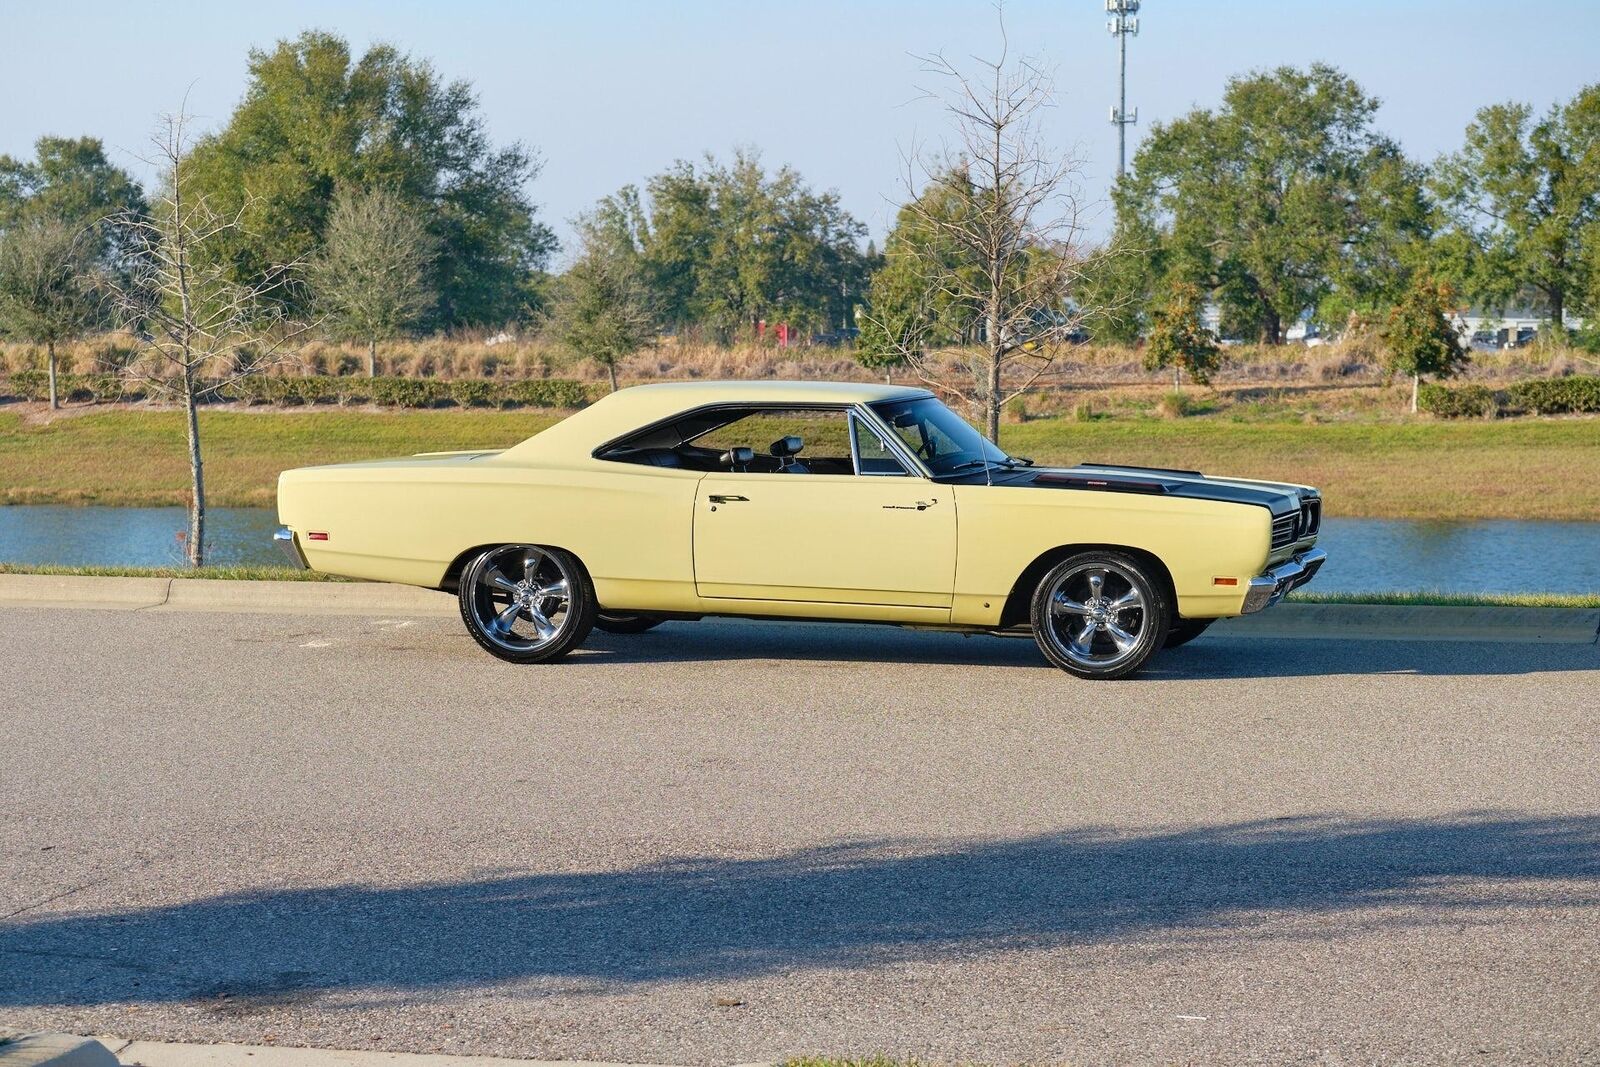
(732, 842)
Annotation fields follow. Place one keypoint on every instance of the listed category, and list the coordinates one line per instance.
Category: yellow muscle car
(804, 500)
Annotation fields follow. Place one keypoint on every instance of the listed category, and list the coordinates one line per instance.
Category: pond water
(1364, 555)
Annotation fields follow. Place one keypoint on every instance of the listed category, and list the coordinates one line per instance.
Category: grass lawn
(1525, 468)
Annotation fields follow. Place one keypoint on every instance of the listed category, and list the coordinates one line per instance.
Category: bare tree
(372, 279)
(47, 270)
(190, 316)
(991, 232)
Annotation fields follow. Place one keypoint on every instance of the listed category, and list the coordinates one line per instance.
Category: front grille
(1284, 528)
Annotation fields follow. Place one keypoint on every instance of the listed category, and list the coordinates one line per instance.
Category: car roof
(638, 406)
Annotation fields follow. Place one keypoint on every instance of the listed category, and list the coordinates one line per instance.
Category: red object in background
(783, 335)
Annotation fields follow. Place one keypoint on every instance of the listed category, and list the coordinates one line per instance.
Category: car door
(881, 535)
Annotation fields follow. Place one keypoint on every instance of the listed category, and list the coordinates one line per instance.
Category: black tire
(1078, 624)
(552, 624)
(617, 623)
(1182, 631)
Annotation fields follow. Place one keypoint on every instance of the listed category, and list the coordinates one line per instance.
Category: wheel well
(451, 582)
(1015, 611)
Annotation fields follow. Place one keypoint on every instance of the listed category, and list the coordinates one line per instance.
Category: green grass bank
(1524, 468)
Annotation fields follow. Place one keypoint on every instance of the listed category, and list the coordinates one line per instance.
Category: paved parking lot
(724, 842)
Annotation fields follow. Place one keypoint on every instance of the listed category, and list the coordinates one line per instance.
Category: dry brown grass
(1332, 382)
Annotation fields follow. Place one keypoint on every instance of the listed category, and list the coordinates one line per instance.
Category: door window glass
(872, 454)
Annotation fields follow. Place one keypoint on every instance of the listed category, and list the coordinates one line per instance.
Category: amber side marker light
(1214, 581)
(317, 535)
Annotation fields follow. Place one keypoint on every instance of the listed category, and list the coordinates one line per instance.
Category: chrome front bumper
(1269, 588)
(285, 540)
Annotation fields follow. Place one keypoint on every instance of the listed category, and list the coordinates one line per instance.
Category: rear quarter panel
(1004, 529)
(407, 522)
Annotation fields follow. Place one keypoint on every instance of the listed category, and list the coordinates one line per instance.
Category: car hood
(1277, 497)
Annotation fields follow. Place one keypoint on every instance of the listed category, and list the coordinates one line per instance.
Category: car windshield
(939, 437)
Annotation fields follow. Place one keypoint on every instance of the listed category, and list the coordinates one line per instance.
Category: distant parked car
(805, 500)
(843, 336)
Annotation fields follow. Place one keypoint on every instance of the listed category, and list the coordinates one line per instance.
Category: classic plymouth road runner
(804, 501)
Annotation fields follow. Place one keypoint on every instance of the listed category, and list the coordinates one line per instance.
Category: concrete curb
(54, 1050)
(306, 598)
(52, 590)
(216, 594)
(175, 1054)
(1346, 622)
(1404, 622)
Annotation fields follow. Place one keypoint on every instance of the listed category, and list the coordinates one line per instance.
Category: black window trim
(853, 411)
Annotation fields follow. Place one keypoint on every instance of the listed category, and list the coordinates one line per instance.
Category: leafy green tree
(47, 268)
(1179, 339)
(1282, 201)
(69, 180)
(602, 309)
(907, 309)
(1522, 200)
(315, 120)
(728, 245)
(1421, 339)
(373, 278)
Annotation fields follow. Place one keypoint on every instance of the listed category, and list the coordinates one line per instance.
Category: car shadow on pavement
(1219, 656)
(850, 905)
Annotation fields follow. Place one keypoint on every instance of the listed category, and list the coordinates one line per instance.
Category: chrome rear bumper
(1269, 588)
(285, 540)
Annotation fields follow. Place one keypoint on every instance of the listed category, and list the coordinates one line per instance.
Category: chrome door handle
(726, 498)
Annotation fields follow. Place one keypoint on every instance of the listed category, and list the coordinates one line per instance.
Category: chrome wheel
(1098, 614)
(521, 597)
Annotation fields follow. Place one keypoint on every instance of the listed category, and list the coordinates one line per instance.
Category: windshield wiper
(964, 464)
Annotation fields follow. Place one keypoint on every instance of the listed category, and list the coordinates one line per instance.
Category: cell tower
(1122, 24)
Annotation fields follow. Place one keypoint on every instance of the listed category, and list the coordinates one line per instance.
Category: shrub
(472, 392)
(408, 392)
(1554, 396)
(547, 393)
(1465, 402)
(110, 388)
(1175, 405)
(30, 384)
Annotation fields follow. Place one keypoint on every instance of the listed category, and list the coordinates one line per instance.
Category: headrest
(738, 457)
(786, 446)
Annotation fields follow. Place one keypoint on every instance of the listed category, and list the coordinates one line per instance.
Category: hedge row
(1461, 402)
(1541, 396)
(320, 389)
(1557, 396)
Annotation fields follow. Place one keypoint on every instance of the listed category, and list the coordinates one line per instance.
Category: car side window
(798, 441)
(872, 452)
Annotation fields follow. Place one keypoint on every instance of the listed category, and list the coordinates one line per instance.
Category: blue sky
(611, 92)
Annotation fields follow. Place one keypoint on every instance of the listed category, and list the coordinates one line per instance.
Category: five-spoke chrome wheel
(1099, 615)
(526, 603)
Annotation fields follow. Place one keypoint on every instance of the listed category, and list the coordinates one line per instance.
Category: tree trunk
(197, 482)
(372, 357)
(991, 400)
(1558, 307)
(50, 360)
(611, 369)
(1271, 328)
(1416, 386)
(1176, 381)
